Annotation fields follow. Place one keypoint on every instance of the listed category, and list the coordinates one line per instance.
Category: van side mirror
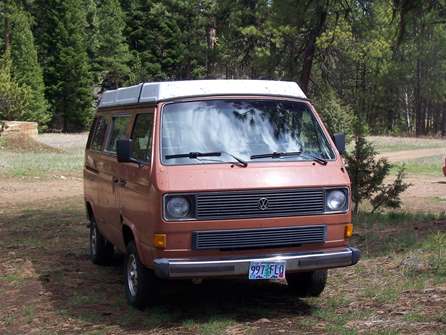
(339, 140)
(123, 151)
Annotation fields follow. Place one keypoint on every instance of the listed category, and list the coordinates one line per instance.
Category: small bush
(437, 246)
(367, 175)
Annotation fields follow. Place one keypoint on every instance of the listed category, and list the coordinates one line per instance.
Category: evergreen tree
(112, 56)
(367, 175)
(63, 48)
(168, 38)
(92, 29)
(26, 70)
(14, 98)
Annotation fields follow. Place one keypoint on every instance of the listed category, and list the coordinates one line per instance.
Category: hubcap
(132, 275)
(93, 240)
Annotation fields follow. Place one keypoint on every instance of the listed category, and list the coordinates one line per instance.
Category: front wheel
(307, 284)
(140, 283)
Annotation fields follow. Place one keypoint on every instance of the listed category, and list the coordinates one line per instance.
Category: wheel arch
(89, 210)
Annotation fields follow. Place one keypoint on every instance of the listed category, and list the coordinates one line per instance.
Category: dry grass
(25, 144)
(49, 286)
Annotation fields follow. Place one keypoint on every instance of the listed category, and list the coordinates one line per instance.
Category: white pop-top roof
(154, 92)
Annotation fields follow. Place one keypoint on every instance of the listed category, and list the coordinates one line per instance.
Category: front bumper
(236, 266)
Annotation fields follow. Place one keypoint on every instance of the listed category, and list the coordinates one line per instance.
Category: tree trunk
(310, 48)
(443, 128)
(7, 34)
(418, 110)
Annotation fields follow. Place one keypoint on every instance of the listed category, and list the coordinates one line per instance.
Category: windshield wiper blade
(277, 154)
(194, 155)
(289, 154)
(197, 155)
(319, 160)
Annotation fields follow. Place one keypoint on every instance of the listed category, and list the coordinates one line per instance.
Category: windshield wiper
(194, 155)
(290, 154)
(197, 155)
(319, 160)
(277, 154)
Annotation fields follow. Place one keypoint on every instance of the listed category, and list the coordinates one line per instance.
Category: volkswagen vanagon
(216, 178)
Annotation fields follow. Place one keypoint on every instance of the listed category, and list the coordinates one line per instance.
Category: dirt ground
(15, 193)
(49, 286)
(398, 156)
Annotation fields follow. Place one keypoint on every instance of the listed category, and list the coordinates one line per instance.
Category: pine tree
(26, 70)
(167, 38)
(63, 50)
(367, 175)
(112, 56)
(14, 98)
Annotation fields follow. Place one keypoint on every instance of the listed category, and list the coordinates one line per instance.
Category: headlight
(336, 200)
(177, 207)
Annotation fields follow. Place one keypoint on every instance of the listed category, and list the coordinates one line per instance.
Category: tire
(141, 284)
(101, 251)
(307, 284)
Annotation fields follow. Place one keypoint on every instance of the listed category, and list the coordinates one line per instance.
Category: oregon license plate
(267, 270)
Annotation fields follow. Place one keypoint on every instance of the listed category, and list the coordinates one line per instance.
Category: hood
(219, 177)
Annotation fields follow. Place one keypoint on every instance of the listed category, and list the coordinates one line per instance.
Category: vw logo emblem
(263, 204)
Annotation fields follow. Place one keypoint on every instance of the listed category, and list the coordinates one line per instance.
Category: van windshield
(243, 128)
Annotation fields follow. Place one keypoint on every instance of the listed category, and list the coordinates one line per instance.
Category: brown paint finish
(138, 203)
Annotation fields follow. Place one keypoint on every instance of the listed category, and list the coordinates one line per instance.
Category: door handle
(122, 182)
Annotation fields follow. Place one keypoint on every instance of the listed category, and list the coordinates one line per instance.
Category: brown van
(216, 178)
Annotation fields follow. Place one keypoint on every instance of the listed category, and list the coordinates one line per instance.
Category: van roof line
(159, 91)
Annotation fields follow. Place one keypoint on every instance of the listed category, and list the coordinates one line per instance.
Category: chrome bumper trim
(219, 267)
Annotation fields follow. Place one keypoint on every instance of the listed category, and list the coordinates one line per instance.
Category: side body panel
(138, 199)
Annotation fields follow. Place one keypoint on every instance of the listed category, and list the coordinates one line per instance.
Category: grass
(29, 313)
(28, 158)
(390, 144)
(41, 164)
(213, 326)
(422, 166)
(383, 233)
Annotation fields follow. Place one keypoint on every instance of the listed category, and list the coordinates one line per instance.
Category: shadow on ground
(54, 239)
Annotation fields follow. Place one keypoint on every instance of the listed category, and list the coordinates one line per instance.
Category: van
(216, 178)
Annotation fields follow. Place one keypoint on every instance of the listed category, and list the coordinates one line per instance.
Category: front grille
(258, 238)
(253, 204)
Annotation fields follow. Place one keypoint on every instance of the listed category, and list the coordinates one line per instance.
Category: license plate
(267, 270)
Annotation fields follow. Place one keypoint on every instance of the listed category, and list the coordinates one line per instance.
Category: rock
(414, 262)
(8, 128)
(263, 320)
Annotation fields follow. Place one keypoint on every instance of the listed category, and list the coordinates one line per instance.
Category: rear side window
(99, 131)
(142, 137)
(118, 131)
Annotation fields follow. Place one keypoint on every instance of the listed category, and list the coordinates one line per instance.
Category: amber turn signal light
(348, 231)
(160, 241)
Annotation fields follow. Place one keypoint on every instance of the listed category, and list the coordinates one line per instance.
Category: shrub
(367, 175)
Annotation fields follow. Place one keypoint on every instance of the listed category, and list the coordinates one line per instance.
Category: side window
(118, 131)
(99, 131)
(142, 137)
